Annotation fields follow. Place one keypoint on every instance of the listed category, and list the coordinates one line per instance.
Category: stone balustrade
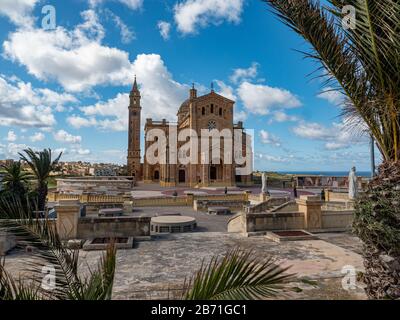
(308, 215)
(267, 204)
(202, 205)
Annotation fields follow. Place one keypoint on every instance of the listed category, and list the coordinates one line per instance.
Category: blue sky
(67, 88)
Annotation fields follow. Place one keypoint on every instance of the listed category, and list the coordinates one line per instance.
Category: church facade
(210, 112)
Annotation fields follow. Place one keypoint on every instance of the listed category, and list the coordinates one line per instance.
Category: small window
(220, 111)
(203, 111)
(212, 108)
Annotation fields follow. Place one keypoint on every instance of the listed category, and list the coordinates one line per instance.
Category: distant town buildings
(6, 162)
(82, 169)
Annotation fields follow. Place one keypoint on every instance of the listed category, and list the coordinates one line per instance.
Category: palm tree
(50, 251)
(41, 164)
(362, 61)
(237, 276)
(15, 179)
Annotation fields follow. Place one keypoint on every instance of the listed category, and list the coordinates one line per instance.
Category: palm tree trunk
(42, 195)
(377, 223)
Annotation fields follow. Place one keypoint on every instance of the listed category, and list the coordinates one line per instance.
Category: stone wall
(336, 196)
(187, 200)
(266, 205)
(71, 226)
(338, 206)
(309, 215)
(95, 227)
(340, 220)
(86, 198)
(203, 205)
(271, 221)
(160, 202)
(95, 185)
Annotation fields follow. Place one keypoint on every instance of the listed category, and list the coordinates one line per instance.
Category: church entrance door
(182, 176)
(213, 172)
(156, 175)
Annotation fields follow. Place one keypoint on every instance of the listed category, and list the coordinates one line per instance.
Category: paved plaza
(157, 269)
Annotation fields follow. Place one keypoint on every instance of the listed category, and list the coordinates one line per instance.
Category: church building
(210, 111)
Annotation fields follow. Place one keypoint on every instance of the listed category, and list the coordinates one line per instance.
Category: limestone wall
(86, 198)
(338, 206)
(336, 196)
(95, 185)
(337, 219)
(160, 202)
(266, 205)
(269, 221)
(203, 205)
(113, 227)
(237, 223)
(187, 200)
(309, 215)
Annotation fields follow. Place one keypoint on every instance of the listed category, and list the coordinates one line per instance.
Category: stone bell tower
(134, 133)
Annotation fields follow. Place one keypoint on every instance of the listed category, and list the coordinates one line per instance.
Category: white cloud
(333, 96)
(245, 74)
(271, 158)
(80, 151)
(165, 28)
(38, 136)
(111, 115)
(18, 11)
(11, 136)
(22, 105)
(239, 116)
(268, 138)
(75, 58)
(64, 136)
(280, 116)
(131, 4)
(79, 122)
(225, 90)
(13, 149)
(127, 35)
(336, 137)
(313, 131)
(190, 15)
(261, 99)
(161, 98)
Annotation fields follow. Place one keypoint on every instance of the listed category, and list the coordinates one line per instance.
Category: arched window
(212, 108)
(220, 111)
(203, 111)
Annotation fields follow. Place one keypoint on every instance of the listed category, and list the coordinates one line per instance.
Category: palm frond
(41, 234)
(98, 285)
(238, 276)
(11, 289)
(363, 61)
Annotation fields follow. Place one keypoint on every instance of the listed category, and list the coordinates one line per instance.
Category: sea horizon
(366, 174)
